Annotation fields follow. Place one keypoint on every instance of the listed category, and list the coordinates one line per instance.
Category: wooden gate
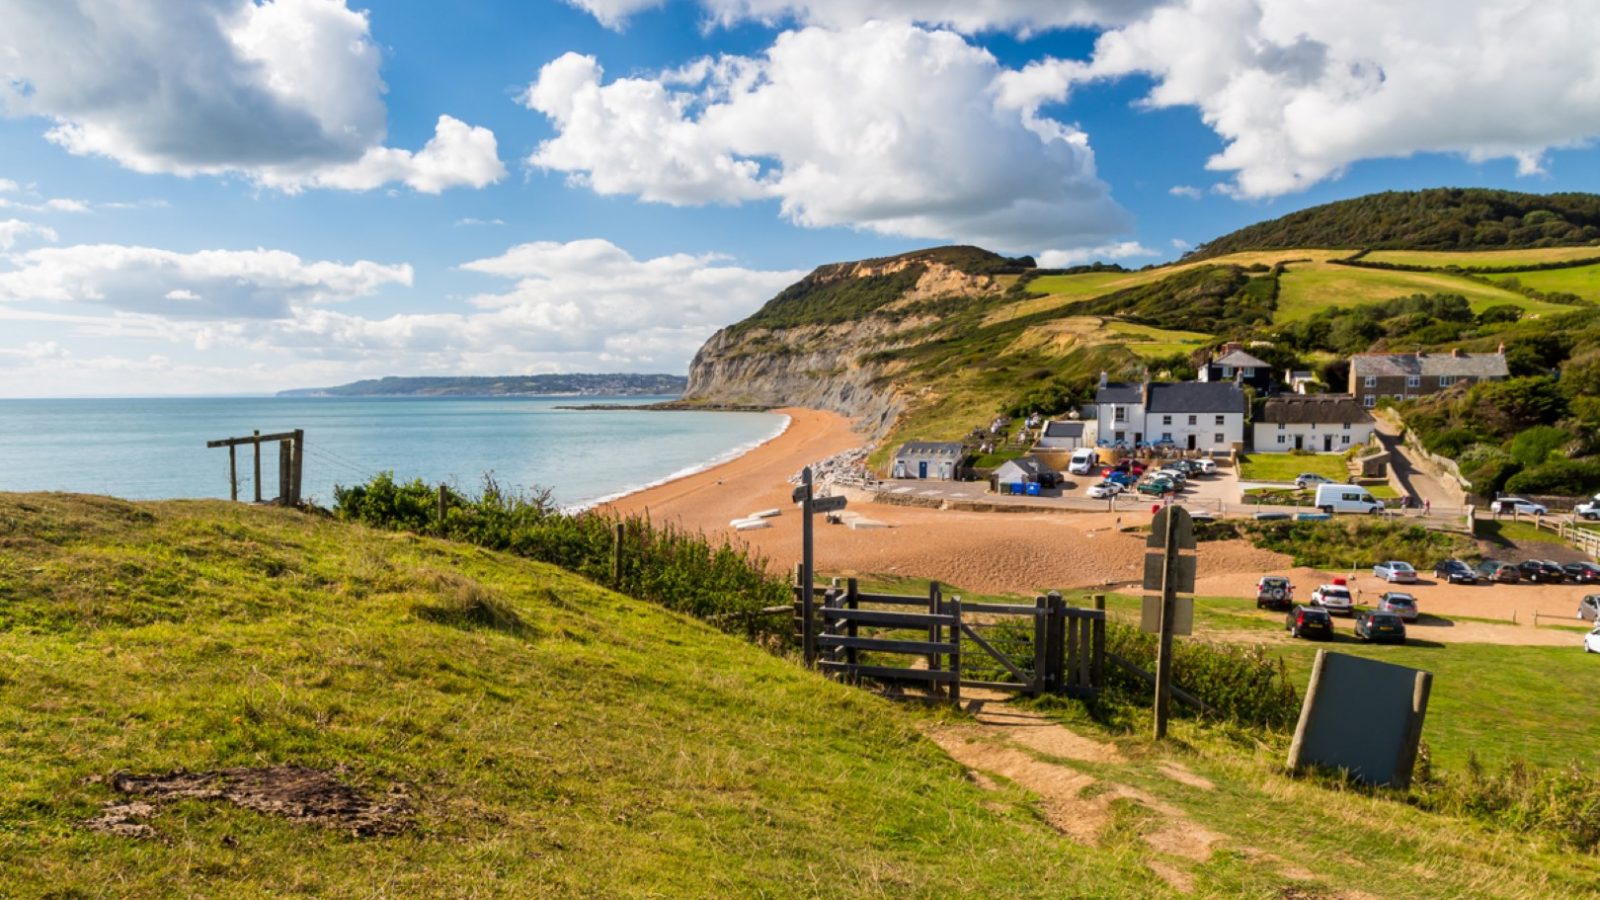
(944, 644)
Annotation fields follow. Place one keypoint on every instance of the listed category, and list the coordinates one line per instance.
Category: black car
(1582, 572)
(1454, 571)
(1309, 622)
(1380, 627)
(1541, 571)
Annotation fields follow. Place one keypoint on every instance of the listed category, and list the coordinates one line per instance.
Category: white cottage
(1321, 423)
(1189, 415)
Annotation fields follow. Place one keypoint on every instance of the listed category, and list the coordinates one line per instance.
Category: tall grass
(1563, 801)
(681, 570)
(1245, 685)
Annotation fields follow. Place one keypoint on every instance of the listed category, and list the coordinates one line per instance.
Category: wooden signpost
(1169, 572)
(810, 505)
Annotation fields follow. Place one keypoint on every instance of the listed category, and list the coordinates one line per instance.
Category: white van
(1338, 498)
(1084, 461)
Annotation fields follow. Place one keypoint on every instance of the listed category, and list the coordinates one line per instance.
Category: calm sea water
(156, 449)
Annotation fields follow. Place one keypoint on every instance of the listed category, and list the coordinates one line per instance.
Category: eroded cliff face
(829, 366)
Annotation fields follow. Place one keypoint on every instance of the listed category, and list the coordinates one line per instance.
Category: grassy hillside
(547, 736)
(1436, 219)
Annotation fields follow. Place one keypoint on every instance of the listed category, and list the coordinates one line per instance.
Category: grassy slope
(1441, 258)
(1309, 287)
(605, 747)
(1583, 281)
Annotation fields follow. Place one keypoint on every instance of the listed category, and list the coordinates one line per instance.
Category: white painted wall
(1313, 436)
(1205, 429)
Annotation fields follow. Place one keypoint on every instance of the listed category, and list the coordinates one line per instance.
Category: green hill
(545, 736)
(1435, 219)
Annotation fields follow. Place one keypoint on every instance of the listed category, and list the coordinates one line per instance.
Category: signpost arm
(1169, 593)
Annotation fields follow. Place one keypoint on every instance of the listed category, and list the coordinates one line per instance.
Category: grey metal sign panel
(1182, 615)
(1362, 715)
(827, 504)
(799, 493)
(1183, 528)
(1183, 572)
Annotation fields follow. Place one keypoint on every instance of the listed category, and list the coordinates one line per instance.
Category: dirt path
(1037, 754)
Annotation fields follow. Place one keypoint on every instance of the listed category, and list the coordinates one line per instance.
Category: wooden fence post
(233, 472)
(1054, 638)
(808, 627)
(852, 601)
(934, 631)
(298, 465)
(285, 471)
(616, 554)
(257, 445)
(1041, 645)
(955, 652)
(1097, 666)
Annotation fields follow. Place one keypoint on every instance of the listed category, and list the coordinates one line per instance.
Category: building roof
(1459, 365)
(1195, 397)
(1119, 392)
(1313, 409)
(1301, 375)
(952, 449)
(1030, 465)
(1061, 428)
(1239, 360)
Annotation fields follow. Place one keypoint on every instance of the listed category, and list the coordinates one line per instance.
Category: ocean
(156, 448)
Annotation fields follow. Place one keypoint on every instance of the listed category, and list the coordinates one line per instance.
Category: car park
(1309, 621)
(1401, 604)
(1454, 571)
(1308, 480)
(1495, 570)
(1582, 572)
(1507, 506)
(1335, 598)
(1105, 489)
(1589, 608)
(1380, 627)
(1274, 592)
(1395, 572)
(1540, 571)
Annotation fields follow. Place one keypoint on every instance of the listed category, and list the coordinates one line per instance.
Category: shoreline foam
(720, 459)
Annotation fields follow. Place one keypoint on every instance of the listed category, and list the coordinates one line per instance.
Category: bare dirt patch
(298, 793)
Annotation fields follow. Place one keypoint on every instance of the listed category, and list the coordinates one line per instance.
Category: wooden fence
(1044, 647)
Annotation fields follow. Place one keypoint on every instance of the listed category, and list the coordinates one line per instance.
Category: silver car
(1395, 571)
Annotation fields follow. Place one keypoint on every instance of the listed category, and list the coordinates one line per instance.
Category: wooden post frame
(233, 473)
(256, 443)
(1406, 762)
(291, 464)
(1169, 595)
(1297, 743)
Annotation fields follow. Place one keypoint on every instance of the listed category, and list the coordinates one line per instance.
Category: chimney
(1456, 352)
(1105, 379)
(1502, 350)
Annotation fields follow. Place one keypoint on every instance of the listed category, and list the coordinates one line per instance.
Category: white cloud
(7, 186)
(1060, 259)
(13, 230)
(968, 16)
(470, 221)
(284, 92)
(210, 284)
(581, 306)
(1300, 89)
(1185, 190)
(1181, 245)
(886, 127)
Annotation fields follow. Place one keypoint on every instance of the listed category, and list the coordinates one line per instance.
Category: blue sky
(229, 196)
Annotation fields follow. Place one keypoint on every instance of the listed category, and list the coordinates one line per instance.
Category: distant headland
(566, 385)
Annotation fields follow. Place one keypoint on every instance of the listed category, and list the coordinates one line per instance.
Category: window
(1372, 381)
(1413, 381)
(1194, 420)
(1167, 437)
(1347, 426)
(1399, 396)
(1283, 438)
(1227, 371)
(1446, 380)
(1346, 438)
(1166, 420)
(1119, 414)
(1369, 401)
(1217, 439)
(1281, 426)
(1221, 420)
(1248, 372)
(1122, 436)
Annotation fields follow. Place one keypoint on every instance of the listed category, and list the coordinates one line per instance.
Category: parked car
(1590, 509)
(1495, 570)
(1106, 489)
(1309, 621)
(1516, 505)
(1207, 466)
(1335, 598)
(1122, 478)
(1591, 641)
(1380, 627)
(1307, 480)
(1274, 592)
(1582, 572)
(1084, 460)
(1157, 486)
(1589, 608)
(1401, 604)
(1394, 571)
(1174, 473)
(1541, 571)
(1454, 571)
(1342, 498)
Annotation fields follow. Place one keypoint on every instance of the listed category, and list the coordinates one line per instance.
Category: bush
(1245, 685)
(1336, 545)
(1537, 444)
(682, 571)
(1572, 477)
(1561, 801)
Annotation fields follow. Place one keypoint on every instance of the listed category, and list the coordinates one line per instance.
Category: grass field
(1583, 281)
(1154, 343)
(1307, 288)
(1287, 467)
(554, 738)
(1441, 258)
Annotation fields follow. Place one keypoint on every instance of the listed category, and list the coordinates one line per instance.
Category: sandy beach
(1020, 553)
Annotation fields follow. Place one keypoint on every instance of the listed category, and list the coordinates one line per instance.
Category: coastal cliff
(827, 341)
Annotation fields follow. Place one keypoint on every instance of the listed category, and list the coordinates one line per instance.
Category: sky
(221, 197)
